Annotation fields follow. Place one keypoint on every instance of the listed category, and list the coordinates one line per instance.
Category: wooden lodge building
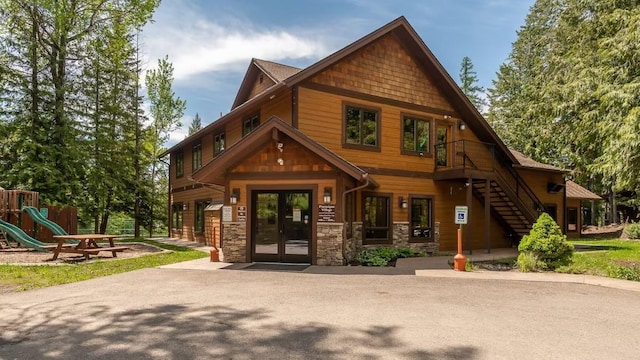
(373, 145)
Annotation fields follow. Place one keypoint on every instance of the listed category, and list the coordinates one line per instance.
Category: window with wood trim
(416, 135)
(376, 218)
(218, 143)
(361, 127)
(349, 213)
(176, 216)
(421, 218)
(572, 219)
(196, 157)
(179, 164)
(198, 225)
(250, 124)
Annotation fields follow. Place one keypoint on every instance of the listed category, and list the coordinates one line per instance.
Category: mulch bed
(23, 255)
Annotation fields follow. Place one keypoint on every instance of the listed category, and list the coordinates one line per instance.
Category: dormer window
(218, 143)
(250, 124)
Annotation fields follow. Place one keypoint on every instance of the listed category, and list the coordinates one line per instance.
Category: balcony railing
(465, 154)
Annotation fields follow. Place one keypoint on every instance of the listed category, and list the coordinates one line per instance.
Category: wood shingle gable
(260, 76)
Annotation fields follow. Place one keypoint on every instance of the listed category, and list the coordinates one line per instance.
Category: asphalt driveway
(251, 314)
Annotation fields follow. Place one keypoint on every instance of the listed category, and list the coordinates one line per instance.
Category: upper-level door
(281, 226)
(443, 142)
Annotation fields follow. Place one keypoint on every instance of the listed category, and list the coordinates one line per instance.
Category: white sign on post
(462, 213)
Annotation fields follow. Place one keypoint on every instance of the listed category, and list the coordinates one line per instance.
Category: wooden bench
(51, 247)
(113, 249)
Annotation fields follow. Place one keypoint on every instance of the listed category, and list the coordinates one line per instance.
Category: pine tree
(469, 84)
(196, 124)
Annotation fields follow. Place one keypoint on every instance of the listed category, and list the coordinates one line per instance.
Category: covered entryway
(281, 226)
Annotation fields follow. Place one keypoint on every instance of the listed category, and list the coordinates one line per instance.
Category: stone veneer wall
(234, 241)
(329, 244)
(400, 239)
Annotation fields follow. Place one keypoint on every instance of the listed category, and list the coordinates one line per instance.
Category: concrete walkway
(430, 266)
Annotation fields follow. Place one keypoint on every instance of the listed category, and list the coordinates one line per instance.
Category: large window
(176, 216)
(415, 135)
(250, 124)
(198, 225)
(196, 157)
(572, 219)
(179, 164)
(349, 212)
(421, 215)
(376, 219)
(361, 127)
(218, 143)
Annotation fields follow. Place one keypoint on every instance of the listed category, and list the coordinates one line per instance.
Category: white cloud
(197, 45)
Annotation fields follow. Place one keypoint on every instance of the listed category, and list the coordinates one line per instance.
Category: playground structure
(16, 234)
(42, 222)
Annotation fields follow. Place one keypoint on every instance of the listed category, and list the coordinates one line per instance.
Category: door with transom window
(281, 226)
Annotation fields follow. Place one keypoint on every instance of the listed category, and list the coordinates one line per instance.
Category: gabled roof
(277, 72)
(575, 191)
(527, 162)
(214, 170)
(408, 37)
(274, 71)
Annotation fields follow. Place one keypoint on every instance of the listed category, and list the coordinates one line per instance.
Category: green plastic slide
(41, 220)
(18, 235)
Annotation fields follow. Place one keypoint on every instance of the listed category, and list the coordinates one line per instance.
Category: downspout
(344, 213)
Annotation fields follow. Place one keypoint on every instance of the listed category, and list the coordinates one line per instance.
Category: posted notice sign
(462, 213)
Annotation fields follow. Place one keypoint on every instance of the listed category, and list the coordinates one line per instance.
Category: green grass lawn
(31, 277)
(611, 258)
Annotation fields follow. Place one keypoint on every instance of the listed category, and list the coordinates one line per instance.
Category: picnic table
(86, 246)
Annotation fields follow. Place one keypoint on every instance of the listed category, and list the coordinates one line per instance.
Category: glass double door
(281, 226)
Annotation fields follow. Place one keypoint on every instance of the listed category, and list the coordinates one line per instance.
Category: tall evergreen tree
(196, 124)
(469, 84)
(569, 93)
(166, 110)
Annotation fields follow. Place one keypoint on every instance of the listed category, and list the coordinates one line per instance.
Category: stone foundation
(400, 239)
(329, 244)
(234, 241)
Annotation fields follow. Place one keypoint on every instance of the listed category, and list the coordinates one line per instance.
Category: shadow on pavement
(189, 332)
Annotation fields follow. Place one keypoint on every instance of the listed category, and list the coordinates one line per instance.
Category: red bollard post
(459, 261)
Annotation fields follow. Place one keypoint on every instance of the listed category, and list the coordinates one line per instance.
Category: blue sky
(211, 43)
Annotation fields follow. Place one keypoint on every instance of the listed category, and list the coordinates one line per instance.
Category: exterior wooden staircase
(512, 202)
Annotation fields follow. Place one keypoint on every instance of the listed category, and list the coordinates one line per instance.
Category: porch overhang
(215, 171)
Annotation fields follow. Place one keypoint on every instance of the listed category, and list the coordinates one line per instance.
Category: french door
(281, 226)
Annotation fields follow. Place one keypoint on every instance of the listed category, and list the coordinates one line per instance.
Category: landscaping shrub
(547, 243)
(382, 256)
(527, 262)
(633, 231)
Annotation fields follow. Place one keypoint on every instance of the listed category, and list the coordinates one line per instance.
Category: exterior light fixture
(402, 202)
(327, 195)
(447, 117)
(235, 196)
(462, 126)
(185, 206)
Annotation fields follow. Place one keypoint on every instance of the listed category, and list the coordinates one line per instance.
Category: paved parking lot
(251, 314)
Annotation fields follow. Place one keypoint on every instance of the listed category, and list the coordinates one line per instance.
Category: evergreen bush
(546, 242)
(382, 256)
(633, 231)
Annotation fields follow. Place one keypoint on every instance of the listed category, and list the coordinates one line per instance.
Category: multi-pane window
(218, 143)
(196, 157)
(376, 219)
(415, 135)
(421, 212)
(349, 209)
(572, 219)
(179, 164)
(361, 126)
(176, 216)
(250, 124)
(199, 215)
